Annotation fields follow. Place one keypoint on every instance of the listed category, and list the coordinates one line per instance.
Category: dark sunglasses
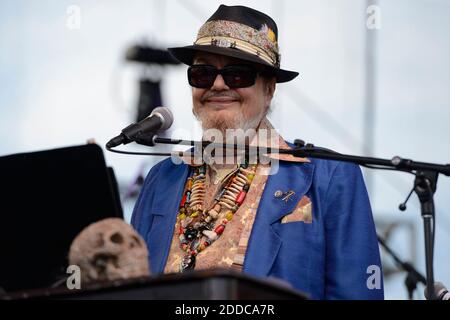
(235, 76)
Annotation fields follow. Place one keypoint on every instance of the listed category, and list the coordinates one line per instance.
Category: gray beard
(238, 123)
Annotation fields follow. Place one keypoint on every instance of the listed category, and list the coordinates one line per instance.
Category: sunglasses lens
(239, 76)
(202, 76)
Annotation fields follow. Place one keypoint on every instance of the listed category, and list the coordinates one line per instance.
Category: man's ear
(271, 86)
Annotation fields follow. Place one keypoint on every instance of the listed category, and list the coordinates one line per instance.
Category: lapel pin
(288, 195)
(278, 194)
(284, 195)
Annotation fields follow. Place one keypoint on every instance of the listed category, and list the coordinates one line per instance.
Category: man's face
(221, 107)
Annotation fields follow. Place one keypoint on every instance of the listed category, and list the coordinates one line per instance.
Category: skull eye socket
(116, 238)
(135, 242)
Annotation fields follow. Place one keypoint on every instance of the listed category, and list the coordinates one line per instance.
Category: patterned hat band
(227, 42)
(228, 34)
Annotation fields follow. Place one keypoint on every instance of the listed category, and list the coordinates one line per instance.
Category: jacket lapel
(264, 242)
(164, 212)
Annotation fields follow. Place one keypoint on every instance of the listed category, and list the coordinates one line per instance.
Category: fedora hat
(238, 32)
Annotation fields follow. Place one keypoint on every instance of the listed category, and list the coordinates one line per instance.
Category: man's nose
(219, 84)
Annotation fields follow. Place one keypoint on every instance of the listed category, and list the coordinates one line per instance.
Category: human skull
(108, 250)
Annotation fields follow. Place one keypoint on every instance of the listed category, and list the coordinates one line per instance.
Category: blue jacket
(334, 257)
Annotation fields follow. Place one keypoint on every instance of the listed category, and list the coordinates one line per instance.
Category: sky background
(64, 79)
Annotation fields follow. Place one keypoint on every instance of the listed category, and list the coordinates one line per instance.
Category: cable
(141, 153)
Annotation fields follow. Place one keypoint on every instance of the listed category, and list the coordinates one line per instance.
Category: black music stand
(47, 198)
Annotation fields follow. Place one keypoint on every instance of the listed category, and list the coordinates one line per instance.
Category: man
(309, 222)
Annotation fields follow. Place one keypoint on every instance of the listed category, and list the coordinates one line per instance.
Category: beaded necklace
(199, 227)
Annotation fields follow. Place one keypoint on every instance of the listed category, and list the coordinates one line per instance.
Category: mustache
(215, 94)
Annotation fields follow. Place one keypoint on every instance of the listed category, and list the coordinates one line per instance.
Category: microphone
(440, 291)
(160, 119)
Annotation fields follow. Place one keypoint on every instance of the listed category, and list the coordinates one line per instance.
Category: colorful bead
(219, 229)
(213, 213)
(183, 201)
(242, 181)
(189, 184)
(250, 177)
(234, 189)
(197, 225)
(240, 198)
(210, 234)
(226, 205)
(188, 262)
(200, 177)
(182, 216)
(229, 215)
(195, 244)
(220, 194)
(194, 214)
(196, 202)
(230, 202)
(185, 222)
(246, 171)
(190, 234)
(198, 188)
(242, 176)
(225, 196)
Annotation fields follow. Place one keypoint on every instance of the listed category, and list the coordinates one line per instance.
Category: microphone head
(439, 290)
(166, 117)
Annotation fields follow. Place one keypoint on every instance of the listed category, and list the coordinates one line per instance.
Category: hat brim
(186, 55)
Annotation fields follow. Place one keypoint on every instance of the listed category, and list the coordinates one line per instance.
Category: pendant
(190, 233)
(188, 263)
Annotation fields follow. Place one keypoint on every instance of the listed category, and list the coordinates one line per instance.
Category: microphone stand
(424, 185)
(413, 276)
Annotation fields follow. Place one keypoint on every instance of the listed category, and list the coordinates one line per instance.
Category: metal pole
(370, 94)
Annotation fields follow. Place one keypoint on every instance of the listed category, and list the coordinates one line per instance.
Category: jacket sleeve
(353, 267)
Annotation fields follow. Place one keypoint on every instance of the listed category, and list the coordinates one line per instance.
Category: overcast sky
(63, 83)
